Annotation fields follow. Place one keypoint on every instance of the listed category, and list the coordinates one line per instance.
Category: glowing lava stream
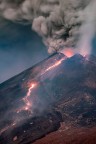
(26, 100)
(32, 85)
(53, 66)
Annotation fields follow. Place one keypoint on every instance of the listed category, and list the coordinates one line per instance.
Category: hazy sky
(20, 48)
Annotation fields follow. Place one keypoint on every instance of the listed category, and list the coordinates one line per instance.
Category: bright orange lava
(53, 66)
(30, 89)
(26, 100)
(69, 52)
(32, 85)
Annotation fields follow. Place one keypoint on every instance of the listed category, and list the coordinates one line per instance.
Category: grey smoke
(88, 29)
(59, 22)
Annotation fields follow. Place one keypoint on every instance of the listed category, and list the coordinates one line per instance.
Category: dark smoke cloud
(57, 21)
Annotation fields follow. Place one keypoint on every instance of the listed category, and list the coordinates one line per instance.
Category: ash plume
(58, 22)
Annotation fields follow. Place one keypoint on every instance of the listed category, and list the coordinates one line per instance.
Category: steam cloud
(60, 22)
(88, 29)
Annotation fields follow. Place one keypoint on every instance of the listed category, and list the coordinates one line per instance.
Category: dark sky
(20, 48)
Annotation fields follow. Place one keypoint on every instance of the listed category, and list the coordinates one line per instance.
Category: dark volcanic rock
(66, 93)
(32, 129)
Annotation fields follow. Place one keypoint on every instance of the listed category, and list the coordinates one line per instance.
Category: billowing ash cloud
(59, 22)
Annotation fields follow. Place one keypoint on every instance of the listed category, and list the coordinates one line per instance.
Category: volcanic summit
(57, 94)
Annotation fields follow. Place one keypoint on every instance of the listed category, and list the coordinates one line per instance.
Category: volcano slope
(65, 92)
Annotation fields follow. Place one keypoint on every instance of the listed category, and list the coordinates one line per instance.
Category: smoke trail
(87, 30)
(59, 22)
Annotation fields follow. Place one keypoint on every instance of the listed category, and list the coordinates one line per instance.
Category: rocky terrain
(65, 93)
(70, 135)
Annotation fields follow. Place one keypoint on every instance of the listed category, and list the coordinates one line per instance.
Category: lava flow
(32, 85)
(57, 63)
(26, 99)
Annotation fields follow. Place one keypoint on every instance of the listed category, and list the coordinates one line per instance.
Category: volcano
(58, 94)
